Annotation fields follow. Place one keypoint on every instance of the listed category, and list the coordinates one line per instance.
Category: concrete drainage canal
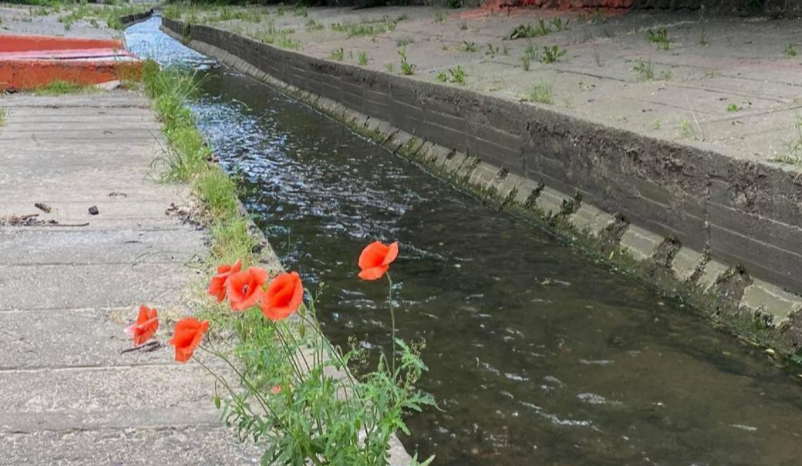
(537, 354)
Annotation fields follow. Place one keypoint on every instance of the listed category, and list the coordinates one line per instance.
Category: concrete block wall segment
(663, 189)
(767, 298)
(685, 263)
(712, 272)
(507, 185)
(641, 244)
(483, 175)
(590, 220)
(550, 201)
(524, 190)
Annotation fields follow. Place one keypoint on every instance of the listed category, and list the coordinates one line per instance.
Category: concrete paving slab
(88, 390)
(188, 446)
(131, 246)
(78, 211)
(76, 286)
(57, 338)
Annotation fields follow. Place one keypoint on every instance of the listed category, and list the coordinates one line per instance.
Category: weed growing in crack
(466, 46)
(457, 75)
(687, 130)
(793, 147)
(558, 24)
(552, 54)
(541, 94)
(659, 37)
(527, 57)
(404, 41)
(644, 70)
(528, 31)
(338, 54)
(407, 69)
(313, 25)
(363, 58)
(790, 51)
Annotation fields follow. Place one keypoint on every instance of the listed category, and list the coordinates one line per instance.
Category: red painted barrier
(28, 62)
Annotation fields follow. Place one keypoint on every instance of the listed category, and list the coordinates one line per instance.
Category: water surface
(537, 354)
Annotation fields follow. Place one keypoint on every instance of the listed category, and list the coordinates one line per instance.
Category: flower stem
(392, 321)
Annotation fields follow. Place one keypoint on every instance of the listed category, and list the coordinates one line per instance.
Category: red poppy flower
(244, 289)
(217, 287)
(145, 327)
(283, 297)
(375, 260)
(187, 335)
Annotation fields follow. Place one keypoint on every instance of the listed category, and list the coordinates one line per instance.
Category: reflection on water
(538, 356)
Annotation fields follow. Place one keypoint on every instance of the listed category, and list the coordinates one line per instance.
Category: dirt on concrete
(731, 85)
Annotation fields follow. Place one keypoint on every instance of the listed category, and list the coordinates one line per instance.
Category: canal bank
(718, 232)
(536, 353)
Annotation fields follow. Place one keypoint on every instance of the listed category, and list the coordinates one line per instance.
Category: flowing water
(537, 354)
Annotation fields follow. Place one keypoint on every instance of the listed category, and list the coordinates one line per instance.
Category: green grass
(466, 46)
(60, 88)
(404, 41)
(790, 51)
(552, 54)
(366, 28)
(337, 54)
(541, 94)
(2, 115)
(453, 76)
(644, 70)
(659, 37)
(312, 25)
(187, 161)
(528, 31)
(363, 58)
(407, 69)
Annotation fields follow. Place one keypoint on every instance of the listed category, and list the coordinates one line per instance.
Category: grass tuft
(187, 160)
(60, 88)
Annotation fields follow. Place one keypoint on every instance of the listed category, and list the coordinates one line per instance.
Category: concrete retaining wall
(128, 20)
(721, 231)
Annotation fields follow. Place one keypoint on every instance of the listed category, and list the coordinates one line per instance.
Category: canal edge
(758, 311)
(265, 255)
